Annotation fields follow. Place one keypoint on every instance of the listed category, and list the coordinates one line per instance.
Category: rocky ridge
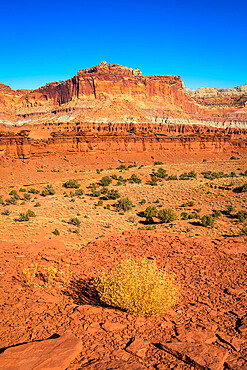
(113, 93)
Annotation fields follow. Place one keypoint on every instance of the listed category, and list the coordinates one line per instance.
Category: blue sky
(205, 42)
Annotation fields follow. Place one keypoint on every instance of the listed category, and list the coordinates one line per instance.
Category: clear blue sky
(205, 42)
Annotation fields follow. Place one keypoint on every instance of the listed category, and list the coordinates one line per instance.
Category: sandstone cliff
(121, 138)
(113, 93)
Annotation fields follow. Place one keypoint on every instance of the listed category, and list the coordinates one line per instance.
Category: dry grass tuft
(138, 286)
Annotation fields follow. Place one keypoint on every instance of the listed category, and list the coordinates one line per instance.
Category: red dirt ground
(205, 330)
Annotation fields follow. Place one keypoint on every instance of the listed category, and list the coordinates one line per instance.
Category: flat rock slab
(52, 354)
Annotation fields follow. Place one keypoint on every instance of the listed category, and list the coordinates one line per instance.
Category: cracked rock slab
(52, 354)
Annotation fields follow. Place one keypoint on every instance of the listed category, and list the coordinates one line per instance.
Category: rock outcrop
(113, 93)
(53, 354)
(114, 139)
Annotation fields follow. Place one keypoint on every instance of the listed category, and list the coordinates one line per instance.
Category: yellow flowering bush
(138, 286)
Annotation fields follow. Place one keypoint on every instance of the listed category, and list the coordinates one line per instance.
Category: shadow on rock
(83, 292)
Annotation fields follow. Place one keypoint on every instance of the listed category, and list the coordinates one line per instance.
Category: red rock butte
(111, 99)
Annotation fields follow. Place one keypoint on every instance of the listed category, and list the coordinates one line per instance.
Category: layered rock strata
(113, 93)
(22, 146)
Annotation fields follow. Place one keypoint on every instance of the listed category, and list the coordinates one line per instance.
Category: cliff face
(8, 100)
(124, 138)
(235, 98)
(112, 93)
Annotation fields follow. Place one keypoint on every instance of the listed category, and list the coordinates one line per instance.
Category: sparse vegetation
(188, 175)
(190, 203)
(135, 179)
(105, 181)
(30, 213)
(149, 213)
(71, 184)
(243, 231)
(27, 197)
(167, 215)
(33, 191)
(207, 221)
(138, 286)
(28, 274)
(22, 217)
(184, 216)
(161, 173)
(217, 214)
(56, 232)
(241, 215)
(124, 204)
(49, 275)
(74, 221)
(49, 190)
(112, 194)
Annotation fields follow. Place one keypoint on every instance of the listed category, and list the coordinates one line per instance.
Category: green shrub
(33, 191)
(124, 204)
(37, 204)
(190, 203)
(104, 190)
(49, 190)
(161, 173)
(79, 192)
(135, 179)
(71, 184)
(153, 180)
(167, 215)
(13, 192)
(217, 214)
(242, 215)
(243, 231)
(22, 217)
(138, 286)
(214, 175)
(95, 193)
(56, 232)
(150, 212)
(158, 163)
(27, 196)
(184, 216)
(207, 221)
(122, 167)
(112, 194)
(100, 203)
(105, 181)
(11, 200)
(229, 209)
(193, 215)
(30, 213)
(187, 176)
(74, 221)
(22, 190)
(143, 201)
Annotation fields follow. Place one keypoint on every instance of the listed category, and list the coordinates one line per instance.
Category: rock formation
(113, 93)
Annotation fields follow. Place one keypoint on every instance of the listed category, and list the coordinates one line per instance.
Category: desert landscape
(110, 165)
